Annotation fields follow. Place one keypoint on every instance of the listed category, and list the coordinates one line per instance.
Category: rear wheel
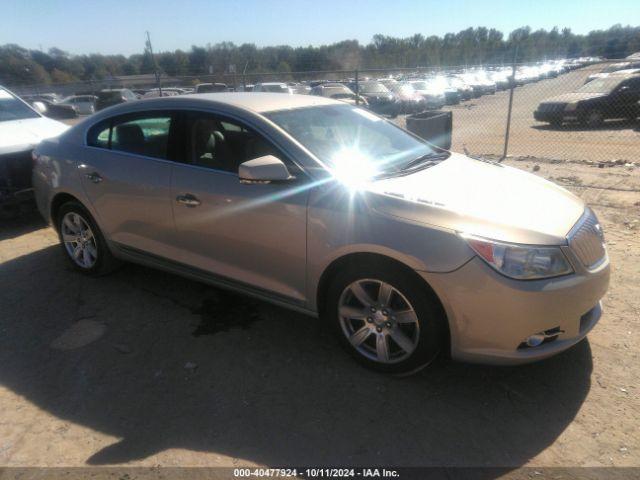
(386, 319)
(82, 241)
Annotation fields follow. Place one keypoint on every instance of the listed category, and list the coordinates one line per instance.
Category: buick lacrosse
(403, 249)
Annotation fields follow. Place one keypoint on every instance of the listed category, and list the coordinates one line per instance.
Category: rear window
(146, 135)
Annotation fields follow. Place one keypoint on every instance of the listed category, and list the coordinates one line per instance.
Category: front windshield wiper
(430, 157)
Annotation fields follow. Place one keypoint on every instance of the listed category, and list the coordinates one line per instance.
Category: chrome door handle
(94, 177)
(188, 200)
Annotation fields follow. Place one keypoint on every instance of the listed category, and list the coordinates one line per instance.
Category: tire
(555, 123)
(592, 118)
(74, 221)
(389, 339)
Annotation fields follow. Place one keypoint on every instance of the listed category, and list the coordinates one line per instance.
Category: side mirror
(263, 170)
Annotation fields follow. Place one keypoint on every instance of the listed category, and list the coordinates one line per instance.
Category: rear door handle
(94, 177)
(188, 200)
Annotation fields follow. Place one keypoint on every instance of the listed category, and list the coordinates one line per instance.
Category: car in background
(464, 91)
(337, 91)
(403, 250)
(594, 102)
(272, 87)
(614, 67)
(160, 93)
(245, 88)
(410, 100)
(82, 104)
(432, 94)
(54, 110)
(379, 98)
(211, 87)
(21, 129)
(113, 96)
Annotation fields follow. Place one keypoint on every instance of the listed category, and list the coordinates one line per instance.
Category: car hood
(573, 97)
(20, 135)
(481, 198)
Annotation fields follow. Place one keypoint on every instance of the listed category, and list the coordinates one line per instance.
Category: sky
(118, 26)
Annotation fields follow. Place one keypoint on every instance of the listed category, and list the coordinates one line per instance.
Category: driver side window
(223, 144)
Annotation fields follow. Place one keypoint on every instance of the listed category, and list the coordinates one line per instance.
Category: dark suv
(114, 96)
(594, 102)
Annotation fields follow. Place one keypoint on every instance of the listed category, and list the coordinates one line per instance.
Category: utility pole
(155, 64)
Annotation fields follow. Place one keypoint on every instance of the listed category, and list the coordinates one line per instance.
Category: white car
(21, 129)
(82, 104)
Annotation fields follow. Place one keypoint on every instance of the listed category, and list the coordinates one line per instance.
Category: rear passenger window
(99, 135)
(146, 136)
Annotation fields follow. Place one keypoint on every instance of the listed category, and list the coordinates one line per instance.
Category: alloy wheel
(378, 321)
(79, 240)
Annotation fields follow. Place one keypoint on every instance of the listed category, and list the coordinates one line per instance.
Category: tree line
(473, 46)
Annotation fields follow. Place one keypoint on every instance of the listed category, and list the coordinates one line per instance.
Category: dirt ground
(147, 368)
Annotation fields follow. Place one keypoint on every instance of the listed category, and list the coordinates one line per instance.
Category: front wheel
(593, 119)
(388, 320)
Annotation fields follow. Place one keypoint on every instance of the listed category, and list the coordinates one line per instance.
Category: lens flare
(353, 168)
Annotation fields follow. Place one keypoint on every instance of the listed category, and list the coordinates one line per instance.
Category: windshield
(333, 91)
(11, 108)
(403, 89)
(350, 139)
(274, 88)
(600, 85)
(373, 88)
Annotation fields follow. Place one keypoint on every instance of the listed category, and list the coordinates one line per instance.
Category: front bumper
(490, 315)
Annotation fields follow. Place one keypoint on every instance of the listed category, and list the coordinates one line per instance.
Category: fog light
(535, 340)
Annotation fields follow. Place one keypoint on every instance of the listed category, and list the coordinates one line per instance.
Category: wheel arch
(352, 259)
(57, 201)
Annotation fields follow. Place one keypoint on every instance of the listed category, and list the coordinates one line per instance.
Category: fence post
(512, 85)
(357, 89)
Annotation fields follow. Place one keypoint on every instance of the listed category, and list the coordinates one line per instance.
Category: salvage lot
(479, 126)
(152, 369)
(147, 368)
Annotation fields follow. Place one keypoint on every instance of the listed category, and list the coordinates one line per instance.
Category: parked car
(410, 100)
(273, 87)
(337, 91)
(58, 111)
(433, 96)
(21, 129)
(379, 98)
(211, 87)
(82, 104)
(594, 102)
(613, 68)
(113, 96)
(403, 249)
(160, 93)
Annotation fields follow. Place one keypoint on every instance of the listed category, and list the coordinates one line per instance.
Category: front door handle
(188, 200)
(94, 177)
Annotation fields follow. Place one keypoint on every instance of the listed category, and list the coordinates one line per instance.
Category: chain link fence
(577, 113)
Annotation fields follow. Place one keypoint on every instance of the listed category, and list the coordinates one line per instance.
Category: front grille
(586, 239)
(551, 107)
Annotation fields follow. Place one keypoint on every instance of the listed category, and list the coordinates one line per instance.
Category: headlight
(570, 107)
(522, 262)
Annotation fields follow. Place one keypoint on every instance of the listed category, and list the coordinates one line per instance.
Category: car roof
(255, 101)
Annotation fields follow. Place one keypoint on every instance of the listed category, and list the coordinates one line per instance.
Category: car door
(253, 234)
(126, 175)
(629, 95)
